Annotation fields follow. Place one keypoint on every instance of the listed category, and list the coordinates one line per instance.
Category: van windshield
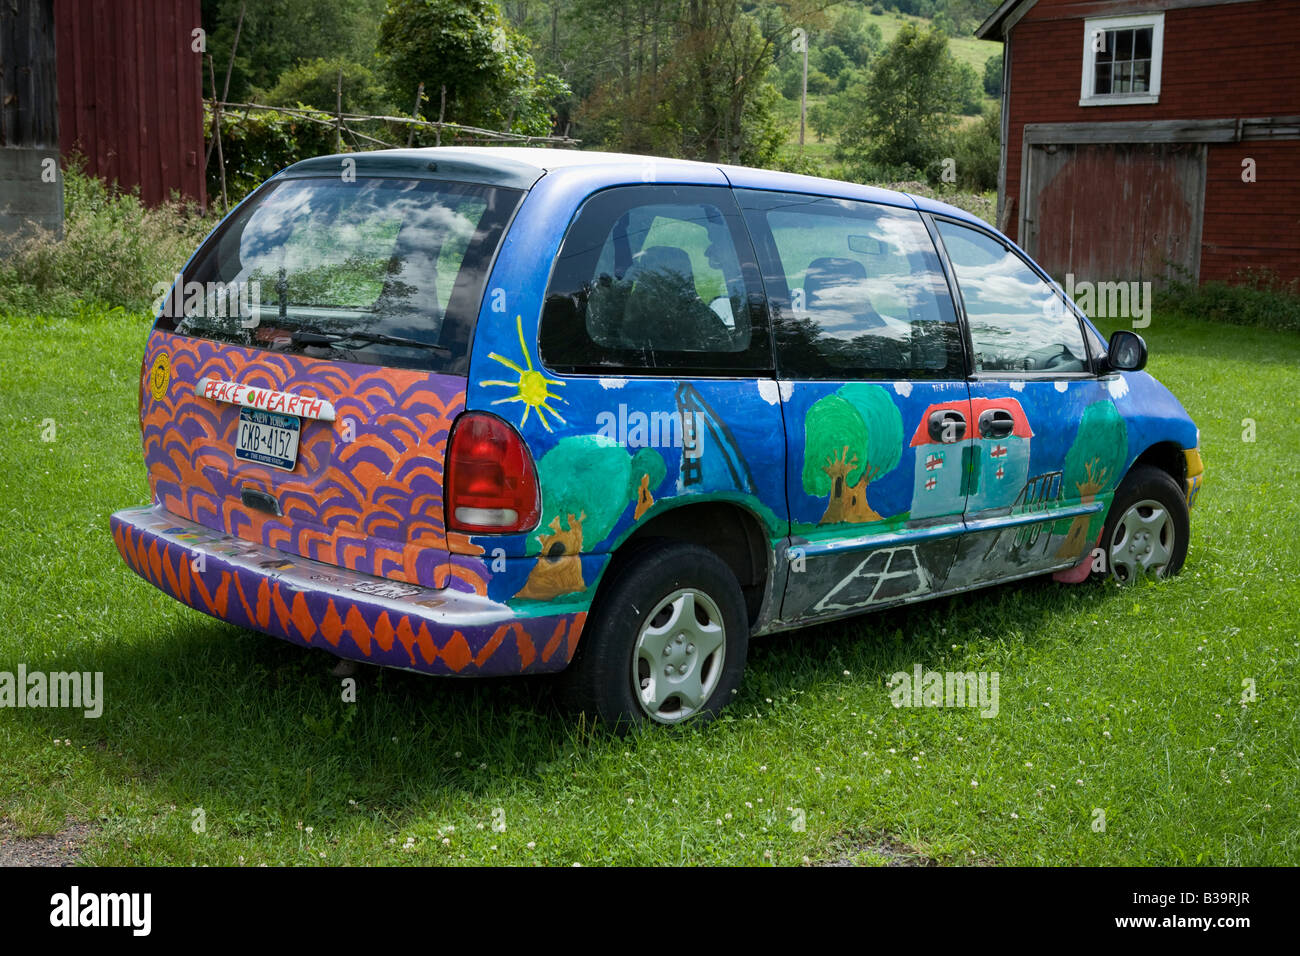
(379, 271)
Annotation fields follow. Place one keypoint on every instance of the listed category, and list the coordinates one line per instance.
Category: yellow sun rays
(532, 387)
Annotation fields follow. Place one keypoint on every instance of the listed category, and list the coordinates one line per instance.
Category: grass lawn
(1127, 702)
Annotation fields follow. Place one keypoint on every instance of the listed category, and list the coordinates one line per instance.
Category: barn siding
(131, 93)
(1231, 61)
(1252, 225)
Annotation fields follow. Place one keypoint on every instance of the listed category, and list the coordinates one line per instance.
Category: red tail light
(491, 483)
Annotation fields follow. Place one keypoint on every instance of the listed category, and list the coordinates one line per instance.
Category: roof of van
(521, 166)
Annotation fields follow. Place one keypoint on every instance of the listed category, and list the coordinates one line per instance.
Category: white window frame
(1090, 28)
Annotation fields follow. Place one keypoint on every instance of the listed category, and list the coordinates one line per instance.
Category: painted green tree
(595, 476)
(1093, 464)
(587, 482)
(851, 438)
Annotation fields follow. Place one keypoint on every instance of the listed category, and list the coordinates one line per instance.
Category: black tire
(599, 681)
(1125, 554)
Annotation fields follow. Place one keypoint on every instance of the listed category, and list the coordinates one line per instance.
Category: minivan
(486, 411)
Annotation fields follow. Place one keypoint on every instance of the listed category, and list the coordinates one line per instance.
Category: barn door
(1116, 211)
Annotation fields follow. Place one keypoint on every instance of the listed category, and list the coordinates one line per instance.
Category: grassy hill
(967, 49)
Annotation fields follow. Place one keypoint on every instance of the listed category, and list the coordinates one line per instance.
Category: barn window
(1121, 60)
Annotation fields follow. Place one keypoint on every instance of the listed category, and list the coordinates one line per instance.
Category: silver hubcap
(678, 658)
(1143, 542)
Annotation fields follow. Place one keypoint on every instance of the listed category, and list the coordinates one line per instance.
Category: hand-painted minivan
(484, 411)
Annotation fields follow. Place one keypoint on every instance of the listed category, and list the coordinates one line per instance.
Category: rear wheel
(665, 642)
(1147, 528)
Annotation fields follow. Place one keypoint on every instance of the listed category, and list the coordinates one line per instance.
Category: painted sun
(532, 387)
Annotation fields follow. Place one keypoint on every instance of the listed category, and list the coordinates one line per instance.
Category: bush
(1259, 298)
(315, 83)
(981, 205)
(113, 251)
(993, 75)
(257, 144)
(976, 150)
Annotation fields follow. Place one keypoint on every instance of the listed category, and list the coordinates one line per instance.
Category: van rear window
(378, 271)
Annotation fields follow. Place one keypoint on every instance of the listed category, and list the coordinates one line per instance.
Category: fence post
(338, 115)
(216, 135)
(442, 109)
(415, 115)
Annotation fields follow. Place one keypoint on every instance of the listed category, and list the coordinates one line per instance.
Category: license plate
(268, 438)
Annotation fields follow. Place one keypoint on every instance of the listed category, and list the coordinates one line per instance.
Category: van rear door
(302, 378)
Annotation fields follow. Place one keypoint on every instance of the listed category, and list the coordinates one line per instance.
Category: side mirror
(1126, 352)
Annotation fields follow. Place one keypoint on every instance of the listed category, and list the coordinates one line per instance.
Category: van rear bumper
(349, 614)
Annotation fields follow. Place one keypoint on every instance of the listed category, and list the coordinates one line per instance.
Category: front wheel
(1147, 528)
(665, 641)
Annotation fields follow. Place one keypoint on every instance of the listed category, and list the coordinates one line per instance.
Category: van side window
(655, 277)
(856, 289)
(1017, 322)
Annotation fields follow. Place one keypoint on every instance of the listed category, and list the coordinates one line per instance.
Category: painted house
(1151, 139)
(937, 471)
(989, 472)
(998, 467)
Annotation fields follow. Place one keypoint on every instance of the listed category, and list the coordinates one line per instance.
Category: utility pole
(801, 43)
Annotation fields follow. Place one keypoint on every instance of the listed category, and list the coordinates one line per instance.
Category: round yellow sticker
(159, 376)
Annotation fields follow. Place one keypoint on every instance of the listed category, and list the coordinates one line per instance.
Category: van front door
(874, 398)
(1047, 442)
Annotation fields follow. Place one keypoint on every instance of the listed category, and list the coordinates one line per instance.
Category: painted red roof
(972, 410)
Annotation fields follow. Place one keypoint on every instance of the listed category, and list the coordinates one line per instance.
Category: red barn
(1151, 139)
(118, 83)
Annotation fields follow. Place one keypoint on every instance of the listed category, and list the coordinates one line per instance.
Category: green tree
(970, 91)
(850, 31)
(593, 475)
(692, 79)
(276, 34)
(468, 47)
(907, 105)
(993, 75)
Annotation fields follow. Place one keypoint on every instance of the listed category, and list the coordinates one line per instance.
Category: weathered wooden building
(31, 189)
(1151, 139)
(118, 82)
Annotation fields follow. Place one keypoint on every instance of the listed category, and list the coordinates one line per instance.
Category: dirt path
(55, 849)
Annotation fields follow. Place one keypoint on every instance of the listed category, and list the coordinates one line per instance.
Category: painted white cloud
(1062, 386)
(613, 382)
(903, 388)
(772, 390)
(1118, 387)
(1017, 386)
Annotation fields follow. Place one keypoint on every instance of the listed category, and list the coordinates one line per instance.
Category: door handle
(996, 423)
(947, 426)
(254, 498)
